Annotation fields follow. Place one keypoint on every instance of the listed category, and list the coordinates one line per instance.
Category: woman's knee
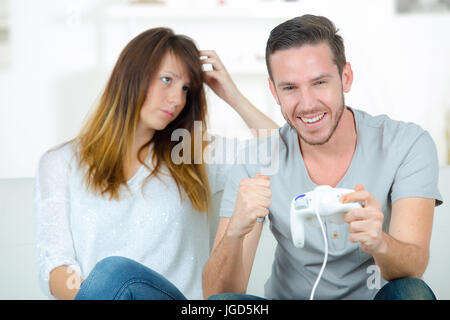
(122, 278)
(114, 269)
(115, 265)
(107, 277)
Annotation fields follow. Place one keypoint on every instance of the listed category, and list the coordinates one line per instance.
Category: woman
(111, 206)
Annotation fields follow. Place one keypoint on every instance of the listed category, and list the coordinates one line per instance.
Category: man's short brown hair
(306, 29)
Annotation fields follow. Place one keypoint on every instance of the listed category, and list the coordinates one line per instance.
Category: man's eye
(320, 82)
(288, 88)
(166, 80)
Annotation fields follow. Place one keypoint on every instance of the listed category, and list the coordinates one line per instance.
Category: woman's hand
(219, 80)
(64, 283)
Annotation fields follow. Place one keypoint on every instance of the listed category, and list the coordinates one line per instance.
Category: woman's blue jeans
(119, 278)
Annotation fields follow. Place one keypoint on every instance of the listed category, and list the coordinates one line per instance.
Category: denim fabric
(399, 289)
(405, 289)
(234, 296)
(119, 278)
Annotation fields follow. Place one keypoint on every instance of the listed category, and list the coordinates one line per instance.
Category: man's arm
(406, 248)
(404, 251)
(229, 266)
(231, 261)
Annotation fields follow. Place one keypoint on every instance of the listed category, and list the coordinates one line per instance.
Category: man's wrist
(383, 247)
(233, 234)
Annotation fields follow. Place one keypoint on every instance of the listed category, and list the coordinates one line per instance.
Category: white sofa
(18, 272)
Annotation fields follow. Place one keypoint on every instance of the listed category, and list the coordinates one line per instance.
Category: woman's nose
(176, 96)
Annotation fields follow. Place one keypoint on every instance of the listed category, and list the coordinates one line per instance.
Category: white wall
(63, 50)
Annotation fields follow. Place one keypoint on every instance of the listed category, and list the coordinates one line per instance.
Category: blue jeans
(399, 289)
(405, 289)
(119, 278)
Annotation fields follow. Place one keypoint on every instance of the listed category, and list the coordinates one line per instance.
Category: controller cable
(316, 210)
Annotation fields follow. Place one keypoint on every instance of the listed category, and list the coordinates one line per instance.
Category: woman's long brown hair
(106, 139)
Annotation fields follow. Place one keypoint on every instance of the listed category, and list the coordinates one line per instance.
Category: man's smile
(312, 119)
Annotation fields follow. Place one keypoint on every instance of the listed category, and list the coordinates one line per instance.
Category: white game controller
(323, 200)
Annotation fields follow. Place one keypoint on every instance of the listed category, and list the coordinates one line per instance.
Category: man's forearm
(397, 259)
(224, 271)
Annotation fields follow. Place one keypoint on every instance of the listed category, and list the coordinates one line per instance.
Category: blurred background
(56, 55)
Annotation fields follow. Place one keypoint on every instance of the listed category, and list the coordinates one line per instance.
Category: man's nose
(306, 100)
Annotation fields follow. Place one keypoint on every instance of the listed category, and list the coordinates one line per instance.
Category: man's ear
(273, 91)
(347, 77)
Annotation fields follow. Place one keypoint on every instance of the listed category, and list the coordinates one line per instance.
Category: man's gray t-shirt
(393, 160)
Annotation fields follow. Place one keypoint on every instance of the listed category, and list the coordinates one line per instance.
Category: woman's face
(166, 94)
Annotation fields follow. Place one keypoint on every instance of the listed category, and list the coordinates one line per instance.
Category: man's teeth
(311, 120)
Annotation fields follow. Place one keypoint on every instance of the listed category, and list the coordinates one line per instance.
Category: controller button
(301, 203)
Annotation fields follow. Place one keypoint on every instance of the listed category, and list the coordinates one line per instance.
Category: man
(391, 165)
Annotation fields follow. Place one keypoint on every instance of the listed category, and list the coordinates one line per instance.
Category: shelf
(239, 13)
(248, 71)
(258, 11)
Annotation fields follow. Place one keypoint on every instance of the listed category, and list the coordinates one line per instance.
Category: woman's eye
(166, 80)
(186, 89)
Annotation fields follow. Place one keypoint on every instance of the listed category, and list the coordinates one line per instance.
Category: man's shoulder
(385, 127)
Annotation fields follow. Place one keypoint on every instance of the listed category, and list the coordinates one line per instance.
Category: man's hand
(252, 202)
(365, 225)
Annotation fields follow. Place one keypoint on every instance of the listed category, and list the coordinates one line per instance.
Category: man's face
(308, 87)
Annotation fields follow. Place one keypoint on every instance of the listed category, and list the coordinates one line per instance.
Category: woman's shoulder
(59, 156)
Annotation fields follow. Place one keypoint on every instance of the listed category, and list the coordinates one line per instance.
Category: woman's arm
(55, 248)
(219, 80)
